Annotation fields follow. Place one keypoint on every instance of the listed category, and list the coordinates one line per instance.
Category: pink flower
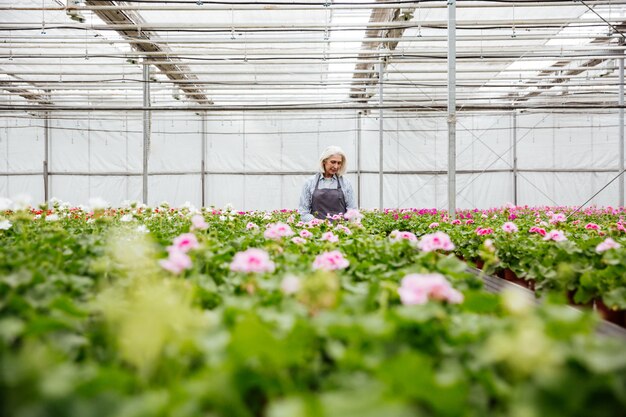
(556, 235)
(290, 284)
(435, 241)
(592, 226)
(509, 227)
(620, 227)
(277, 231)
(470, 221)
(419, 288)
(329, 261)
(313, 223)
(344, 229)
(252, 260)
(557, 218)
(457, 221)
(353, 215)
(177, 262)
(433, 225)
(330, 236)
(305, 234)
(184, 243)
(483, 232)
(298, 240)
(398, 236)
(251, 226)
(197, 222)
(536, 229)
(607, 244)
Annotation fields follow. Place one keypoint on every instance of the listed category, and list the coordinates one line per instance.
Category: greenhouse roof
(223, 55)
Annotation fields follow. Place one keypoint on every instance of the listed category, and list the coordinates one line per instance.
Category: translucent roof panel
(309, 54)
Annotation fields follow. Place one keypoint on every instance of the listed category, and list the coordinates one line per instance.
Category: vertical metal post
(452, 108)
(203, 163)
(146, 128)
(380, 132)
(46, 153)
(621, 127)
(358, 159)
(515, 158)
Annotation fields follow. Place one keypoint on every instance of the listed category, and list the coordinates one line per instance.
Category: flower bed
(158, 311)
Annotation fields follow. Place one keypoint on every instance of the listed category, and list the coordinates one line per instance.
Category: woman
(327, 192)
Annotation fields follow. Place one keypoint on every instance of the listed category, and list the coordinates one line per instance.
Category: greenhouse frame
(437, 104)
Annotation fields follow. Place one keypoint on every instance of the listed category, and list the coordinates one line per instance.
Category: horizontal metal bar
(288, 173)
(321, 5)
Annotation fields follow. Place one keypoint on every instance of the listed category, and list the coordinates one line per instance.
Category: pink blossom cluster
(198, 222)
(510, 227)
(433, 225)
(298, 240)
(277, 231)
(480, 231)
(313, 223)
(398, 236)
(419, 288)
(536, 229)
(329, 261)
(343, 229)
(592, 226)
(435, 241)
(178, 260)
(353, 215)
(251, 226)
(305, 234)
(252, 260)
(330, 237)
(557, 218)
(556, 235)
(607, 244)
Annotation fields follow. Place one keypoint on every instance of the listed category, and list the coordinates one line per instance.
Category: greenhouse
(312, 208)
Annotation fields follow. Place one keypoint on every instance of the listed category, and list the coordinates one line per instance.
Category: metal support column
(203, 163)
(46, 153)
(380, 132)
(452, 108)
(621, 128)
(515, 158)
(146, 129)
(358, 158)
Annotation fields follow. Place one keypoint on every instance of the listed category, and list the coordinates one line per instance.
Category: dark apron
(327, 200)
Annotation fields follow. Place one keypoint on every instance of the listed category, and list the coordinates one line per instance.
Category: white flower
(5, 204)
(21, 202)
(5, 225)
(290, 284)
(142, 229)
(98, 203)
(52, 217)
(127, 218)
(223, 218)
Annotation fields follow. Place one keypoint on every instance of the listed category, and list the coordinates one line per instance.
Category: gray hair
(330, 151)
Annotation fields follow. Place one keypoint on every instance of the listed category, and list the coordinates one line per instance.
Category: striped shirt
(331, 183)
